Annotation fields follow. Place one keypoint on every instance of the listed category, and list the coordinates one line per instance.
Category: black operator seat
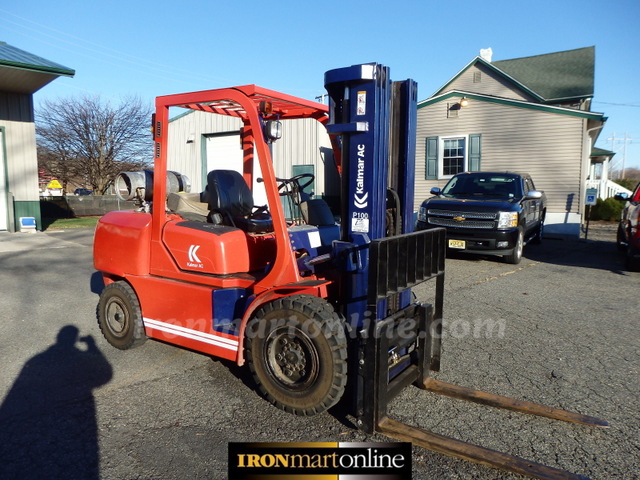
(228, 194)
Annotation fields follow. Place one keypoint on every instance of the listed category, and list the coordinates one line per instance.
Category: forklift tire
(120, 316)
(297, 353)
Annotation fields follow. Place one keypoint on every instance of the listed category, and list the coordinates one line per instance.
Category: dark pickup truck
(487, 212)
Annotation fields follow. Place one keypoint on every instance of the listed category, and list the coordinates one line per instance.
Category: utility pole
(624, 141)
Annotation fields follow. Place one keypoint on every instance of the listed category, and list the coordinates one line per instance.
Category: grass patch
(60, 223)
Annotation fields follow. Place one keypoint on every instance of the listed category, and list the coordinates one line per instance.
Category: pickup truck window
(502, 186)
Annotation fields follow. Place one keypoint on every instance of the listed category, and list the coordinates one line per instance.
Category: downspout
(585, 168)
(8, 196)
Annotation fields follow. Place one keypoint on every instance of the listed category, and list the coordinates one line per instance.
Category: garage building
(21, 75)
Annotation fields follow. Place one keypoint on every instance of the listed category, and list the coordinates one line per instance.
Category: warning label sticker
(360, 225)
(361, 107)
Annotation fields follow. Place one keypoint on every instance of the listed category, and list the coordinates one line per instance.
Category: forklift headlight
(273, 130)
(507, 220)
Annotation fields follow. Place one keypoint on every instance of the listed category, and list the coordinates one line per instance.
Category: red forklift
(321, 311)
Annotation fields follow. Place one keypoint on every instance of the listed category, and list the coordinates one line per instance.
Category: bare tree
(92, 141)
(57, 165)
(632, 173)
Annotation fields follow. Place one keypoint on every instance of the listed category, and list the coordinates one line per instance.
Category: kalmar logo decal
(194, 260)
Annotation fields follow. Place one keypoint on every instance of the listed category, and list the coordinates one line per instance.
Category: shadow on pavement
(597, 254)
(96, 283)
(48, 419)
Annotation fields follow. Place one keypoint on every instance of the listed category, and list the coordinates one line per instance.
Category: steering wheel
(296, 179)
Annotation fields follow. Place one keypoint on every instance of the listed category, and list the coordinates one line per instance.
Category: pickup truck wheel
(515, 256)
(120, 316)
(297, 353)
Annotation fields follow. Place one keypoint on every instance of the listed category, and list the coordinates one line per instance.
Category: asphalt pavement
(561, 328)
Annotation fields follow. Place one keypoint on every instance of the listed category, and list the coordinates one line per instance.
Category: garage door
(224, 152)
(3, 185)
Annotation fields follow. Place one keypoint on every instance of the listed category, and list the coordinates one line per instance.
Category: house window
(448, 156)
(453, 156)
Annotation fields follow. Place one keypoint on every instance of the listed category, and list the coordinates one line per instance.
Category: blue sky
(145, 48)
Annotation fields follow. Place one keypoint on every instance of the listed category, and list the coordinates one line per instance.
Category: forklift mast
(375, 120)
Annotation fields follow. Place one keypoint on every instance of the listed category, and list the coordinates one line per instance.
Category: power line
(625, 140)
(620, 104)
(126, 60)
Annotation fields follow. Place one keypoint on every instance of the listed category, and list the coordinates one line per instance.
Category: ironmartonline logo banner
(320, 461)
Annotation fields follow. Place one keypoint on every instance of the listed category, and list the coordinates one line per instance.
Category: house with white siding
(21, 75)
(529, 114)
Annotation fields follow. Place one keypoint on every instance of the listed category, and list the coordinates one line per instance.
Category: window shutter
(431, 171)
(474, 152)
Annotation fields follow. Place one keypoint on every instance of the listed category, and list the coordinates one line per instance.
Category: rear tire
(297, 353)
(516, 255)
(120, 316)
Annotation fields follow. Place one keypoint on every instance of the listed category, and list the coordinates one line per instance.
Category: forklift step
(507, 403)
(474, 453)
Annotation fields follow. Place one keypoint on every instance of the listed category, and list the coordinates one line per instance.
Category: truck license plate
(457, 244)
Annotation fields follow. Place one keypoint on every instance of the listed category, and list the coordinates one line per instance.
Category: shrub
(608, 209)
(628, 183)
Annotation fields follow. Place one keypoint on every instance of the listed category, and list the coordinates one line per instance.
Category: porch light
(464, 102)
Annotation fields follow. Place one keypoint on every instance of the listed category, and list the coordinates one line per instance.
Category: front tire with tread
(296, 348)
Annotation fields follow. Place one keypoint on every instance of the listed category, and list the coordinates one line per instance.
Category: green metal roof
(554, 76)
(601, 152)
(572, 112)
(16, 58)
